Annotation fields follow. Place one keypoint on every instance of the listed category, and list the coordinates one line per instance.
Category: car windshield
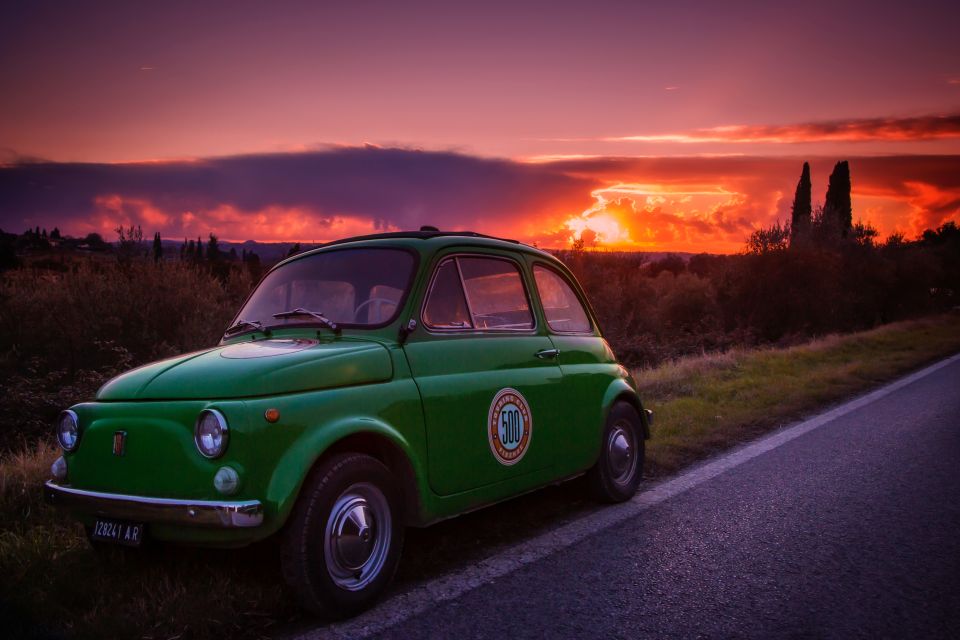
(349, 287)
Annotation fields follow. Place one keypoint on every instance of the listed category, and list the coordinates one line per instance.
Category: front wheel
(617, 473)
(342, 544)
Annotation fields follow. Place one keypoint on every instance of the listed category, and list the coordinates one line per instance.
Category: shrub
(66, 333)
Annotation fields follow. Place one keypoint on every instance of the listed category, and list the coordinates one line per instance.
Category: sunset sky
(653, 126)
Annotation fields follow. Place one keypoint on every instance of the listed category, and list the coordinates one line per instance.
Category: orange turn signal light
(271, 415)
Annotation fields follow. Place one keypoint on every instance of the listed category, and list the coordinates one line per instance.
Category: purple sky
(160, 81)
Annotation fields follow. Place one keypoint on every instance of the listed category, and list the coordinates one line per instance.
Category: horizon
(661, 129)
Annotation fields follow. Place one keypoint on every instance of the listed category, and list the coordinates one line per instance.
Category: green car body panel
(417, 399)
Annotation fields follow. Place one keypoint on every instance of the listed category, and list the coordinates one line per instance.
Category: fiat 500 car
(372, 384)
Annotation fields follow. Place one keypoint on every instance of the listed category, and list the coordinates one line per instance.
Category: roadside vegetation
(703, 404)
(53, 583)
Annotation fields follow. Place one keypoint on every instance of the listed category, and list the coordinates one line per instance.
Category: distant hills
(268, 251)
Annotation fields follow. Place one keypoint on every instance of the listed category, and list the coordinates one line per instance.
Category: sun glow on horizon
(643, 216)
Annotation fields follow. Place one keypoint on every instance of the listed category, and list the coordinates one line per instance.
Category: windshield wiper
(249, 325)
(300, 311)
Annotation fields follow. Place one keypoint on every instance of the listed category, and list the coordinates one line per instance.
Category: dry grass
(52, 582)
(703, 404)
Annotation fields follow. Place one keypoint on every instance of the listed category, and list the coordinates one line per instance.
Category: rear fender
(621, 391)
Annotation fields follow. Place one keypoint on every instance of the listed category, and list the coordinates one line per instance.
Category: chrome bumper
(199, 513)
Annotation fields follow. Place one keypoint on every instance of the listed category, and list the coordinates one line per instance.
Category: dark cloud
(398, 187)
(680, 203)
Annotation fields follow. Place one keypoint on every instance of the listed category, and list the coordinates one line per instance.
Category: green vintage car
(372, 384)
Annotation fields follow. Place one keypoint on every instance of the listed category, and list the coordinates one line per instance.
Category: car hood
(255, 368)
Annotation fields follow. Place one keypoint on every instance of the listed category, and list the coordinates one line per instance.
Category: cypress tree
(157, 247)
(802, 208)
(837, 207)
(213, 249)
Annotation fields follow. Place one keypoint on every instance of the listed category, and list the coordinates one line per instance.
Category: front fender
(302, 455)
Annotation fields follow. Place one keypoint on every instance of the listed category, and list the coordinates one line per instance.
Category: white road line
(421, 598)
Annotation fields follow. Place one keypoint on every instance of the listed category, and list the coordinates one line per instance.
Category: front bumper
(197, 513)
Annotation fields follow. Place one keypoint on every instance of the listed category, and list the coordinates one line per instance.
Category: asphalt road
(849, 530)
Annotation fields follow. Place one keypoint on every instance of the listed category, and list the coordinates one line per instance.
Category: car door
(586, 361)
(486, 374)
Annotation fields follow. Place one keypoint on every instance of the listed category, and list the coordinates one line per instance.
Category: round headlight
(211, 433)
(68, 430)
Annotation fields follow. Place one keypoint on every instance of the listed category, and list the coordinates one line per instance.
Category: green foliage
(706, 403)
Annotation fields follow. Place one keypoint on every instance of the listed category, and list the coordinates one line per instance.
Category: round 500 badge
(509, 426)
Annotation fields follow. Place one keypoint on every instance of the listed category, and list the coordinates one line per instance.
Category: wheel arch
(371, 437)
(620, 391)
(393, 457)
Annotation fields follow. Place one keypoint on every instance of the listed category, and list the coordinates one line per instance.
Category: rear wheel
(342, 544)
(617, 473)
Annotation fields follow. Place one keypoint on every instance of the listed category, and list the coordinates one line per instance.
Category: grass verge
(53, 584)
(707, 403)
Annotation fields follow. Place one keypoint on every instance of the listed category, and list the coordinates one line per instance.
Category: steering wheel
(491, 320)
(360, 306)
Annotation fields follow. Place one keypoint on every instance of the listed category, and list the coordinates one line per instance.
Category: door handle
(547, 354)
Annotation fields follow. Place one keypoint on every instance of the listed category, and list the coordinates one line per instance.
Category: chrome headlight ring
(211, 433)
(68, 430)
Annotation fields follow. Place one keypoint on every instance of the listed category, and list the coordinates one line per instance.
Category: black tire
(337, 576)
(617, 473)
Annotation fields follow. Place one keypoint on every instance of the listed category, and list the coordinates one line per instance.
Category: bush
(66, 333)
(77, 319)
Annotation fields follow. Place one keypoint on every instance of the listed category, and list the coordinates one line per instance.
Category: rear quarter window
(561, 305)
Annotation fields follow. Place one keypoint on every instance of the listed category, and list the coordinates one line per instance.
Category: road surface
(847, 526)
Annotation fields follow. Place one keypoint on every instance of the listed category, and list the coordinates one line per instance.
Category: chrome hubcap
(621, 450)
(357, 536)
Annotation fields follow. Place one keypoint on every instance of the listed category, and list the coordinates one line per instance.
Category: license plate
(126, 533)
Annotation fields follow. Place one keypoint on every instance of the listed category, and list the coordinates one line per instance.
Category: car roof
(430, 239)
(422, 234)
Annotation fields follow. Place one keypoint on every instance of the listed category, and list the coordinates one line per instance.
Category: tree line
(817, 273)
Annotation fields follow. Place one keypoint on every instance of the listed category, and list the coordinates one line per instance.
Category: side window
(446, 307)
(495, 294)
(560, 304)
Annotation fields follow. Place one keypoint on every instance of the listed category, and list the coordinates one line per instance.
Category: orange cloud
(931, 127)
(712, 204)
(656, 219)
(649, 203)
